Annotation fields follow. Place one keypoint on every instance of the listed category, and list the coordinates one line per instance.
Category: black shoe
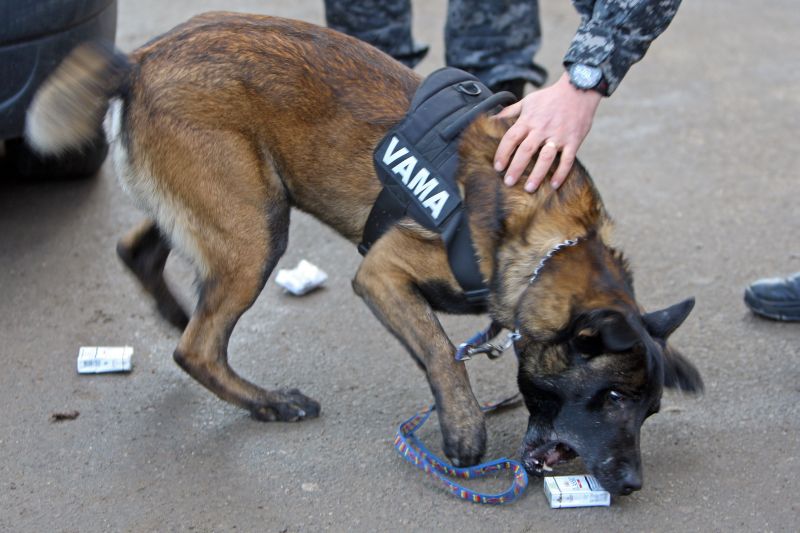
(775, 298)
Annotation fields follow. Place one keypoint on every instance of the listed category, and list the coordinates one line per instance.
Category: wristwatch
(587, 77)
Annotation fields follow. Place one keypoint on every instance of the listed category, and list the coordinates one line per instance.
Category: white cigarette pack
(575, 491)
(102, 359)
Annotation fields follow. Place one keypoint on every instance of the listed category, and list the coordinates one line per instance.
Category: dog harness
(417, 162)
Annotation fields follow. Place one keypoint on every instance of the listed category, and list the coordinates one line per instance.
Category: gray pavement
(696, 157)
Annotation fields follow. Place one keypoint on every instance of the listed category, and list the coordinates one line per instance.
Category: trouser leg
(495, 40)
(385, 24)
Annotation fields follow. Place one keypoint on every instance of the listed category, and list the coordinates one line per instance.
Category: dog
(223, 124)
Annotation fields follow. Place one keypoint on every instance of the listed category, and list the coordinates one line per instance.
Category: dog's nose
(631, 482)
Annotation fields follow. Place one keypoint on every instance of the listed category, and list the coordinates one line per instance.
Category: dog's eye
(615, 396)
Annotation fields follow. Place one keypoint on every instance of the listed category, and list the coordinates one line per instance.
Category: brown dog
(223, 124)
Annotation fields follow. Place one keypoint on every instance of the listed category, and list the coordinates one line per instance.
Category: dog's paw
(286, 405)
(464, 439)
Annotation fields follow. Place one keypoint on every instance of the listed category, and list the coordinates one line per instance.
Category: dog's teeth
(546, 468)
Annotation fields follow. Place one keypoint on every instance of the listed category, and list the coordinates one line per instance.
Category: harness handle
(501, 98)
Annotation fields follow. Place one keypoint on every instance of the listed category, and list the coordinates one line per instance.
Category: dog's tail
(68, 109)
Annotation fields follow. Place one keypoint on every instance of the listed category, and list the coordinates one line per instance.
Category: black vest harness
(417, 163)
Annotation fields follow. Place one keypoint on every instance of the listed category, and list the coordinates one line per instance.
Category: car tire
(23, 163)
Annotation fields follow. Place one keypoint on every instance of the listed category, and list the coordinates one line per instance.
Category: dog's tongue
(537, 461)
(553, 455)
(558, 453)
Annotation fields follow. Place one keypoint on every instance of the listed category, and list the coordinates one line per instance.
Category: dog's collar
(480, 342)
(553, 251)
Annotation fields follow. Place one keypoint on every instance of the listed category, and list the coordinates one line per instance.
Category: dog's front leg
(387, 282)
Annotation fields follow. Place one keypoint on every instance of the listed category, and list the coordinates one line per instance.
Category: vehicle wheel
(21, 162)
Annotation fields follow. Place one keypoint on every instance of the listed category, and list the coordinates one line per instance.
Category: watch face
(585, 76)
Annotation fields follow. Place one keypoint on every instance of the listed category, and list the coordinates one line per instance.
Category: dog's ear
(605, 331)
(679, 373)
(661, 324)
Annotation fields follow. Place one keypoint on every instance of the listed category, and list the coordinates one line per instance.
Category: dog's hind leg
(237, 273)
(144, 250)
(228, 211)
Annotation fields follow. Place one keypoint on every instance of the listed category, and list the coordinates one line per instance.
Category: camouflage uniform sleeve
(615, 34)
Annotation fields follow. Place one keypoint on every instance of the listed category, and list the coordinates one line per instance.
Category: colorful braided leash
(412, 450)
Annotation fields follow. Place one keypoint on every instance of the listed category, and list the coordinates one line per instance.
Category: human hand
(557, 119)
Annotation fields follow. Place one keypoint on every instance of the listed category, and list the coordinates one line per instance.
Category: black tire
(20, 162)
(30, 19)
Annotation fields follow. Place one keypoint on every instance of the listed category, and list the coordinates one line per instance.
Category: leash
(412, 450)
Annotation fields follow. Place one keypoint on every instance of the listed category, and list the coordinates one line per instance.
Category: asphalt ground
(696, 158)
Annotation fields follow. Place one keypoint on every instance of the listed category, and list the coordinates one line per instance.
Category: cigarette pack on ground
(102, 359)
(304, 278)
(575, 491)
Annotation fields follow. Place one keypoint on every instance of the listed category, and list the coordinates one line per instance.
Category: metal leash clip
(479, 344)
(493, 351)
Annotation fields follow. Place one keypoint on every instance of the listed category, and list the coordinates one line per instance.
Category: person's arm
(615, 34)
(612, 36)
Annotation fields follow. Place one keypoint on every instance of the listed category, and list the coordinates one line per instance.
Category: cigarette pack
(575, 491)
(102, 359)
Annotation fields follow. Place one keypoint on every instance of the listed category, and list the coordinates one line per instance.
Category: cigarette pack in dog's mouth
(102, 359)
(575, 491)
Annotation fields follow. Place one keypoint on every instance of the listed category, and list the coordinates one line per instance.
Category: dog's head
(592, 368)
